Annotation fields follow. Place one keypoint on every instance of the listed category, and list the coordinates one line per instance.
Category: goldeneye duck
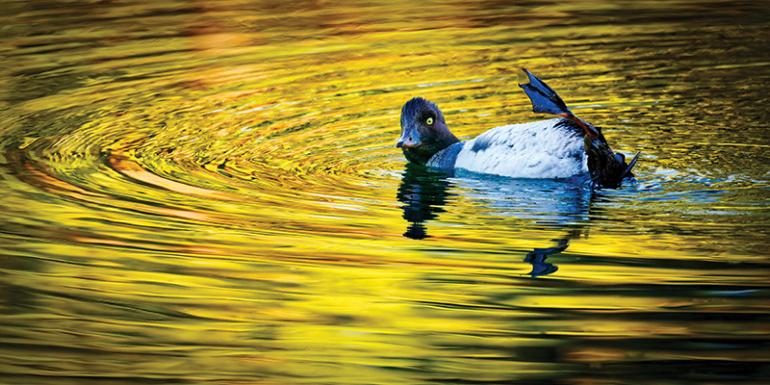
(554, 148)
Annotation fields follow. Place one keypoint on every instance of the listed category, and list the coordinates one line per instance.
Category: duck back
(551, 148)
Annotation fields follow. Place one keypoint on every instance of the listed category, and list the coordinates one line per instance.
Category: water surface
(208, 193)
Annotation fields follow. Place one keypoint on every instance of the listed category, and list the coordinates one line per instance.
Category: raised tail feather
(545, 99)
(606, 169)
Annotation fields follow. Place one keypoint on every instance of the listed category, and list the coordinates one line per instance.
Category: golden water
(208, 193)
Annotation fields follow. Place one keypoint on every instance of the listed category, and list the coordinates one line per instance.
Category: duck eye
(429, 121)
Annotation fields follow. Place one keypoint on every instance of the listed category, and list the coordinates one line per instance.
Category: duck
(562, 147)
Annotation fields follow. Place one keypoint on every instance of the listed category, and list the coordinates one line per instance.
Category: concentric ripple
(208, 192)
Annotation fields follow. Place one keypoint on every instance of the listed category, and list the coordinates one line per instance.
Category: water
(208, 193)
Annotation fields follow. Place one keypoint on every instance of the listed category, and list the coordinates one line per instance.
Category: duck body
(551, 148)
(554, 148)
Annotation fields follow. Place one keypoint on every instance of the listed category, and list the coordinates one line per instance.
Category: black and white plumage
(554, 148)
(543, 149)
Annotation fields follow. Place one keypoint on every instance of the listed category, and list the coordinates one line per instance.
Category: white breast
(542, 149)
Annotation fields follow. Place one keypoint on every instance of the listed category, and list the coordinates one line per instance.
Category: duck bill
(409, 139)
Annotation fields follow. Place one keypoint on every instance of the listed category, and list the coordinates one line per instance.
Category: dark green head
(423, 131)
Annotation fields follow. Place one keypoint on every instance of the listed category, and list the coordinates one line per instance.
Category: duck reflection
(558, 204)
(538, 258)
(424, 194)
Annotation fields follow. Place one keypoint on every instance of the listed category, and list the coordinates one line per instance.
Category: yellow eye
(429, 121)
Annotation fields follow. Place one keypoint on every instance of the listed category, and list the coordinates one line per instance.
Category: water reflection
(203, 193)
(424, 194)
(537, 258)
(559, 204)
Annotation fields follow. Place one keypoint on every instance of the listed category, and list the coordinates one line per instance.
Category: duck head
(423, 131)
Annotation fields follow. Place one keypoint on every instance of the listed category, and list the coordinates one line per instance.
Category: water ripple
(201, 193)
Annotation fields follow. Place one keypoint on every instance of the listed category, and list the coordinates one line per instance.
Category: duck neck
(422, 154)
